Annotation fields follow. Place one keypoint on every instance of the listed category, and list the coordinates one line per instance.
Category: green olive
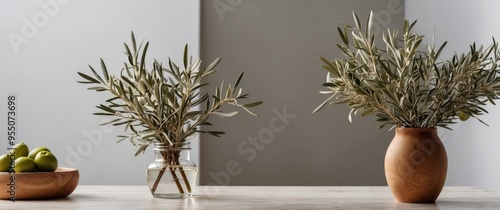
(463, 116)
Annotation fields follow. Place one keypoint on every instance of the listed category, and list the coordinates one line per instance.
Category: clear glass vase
(172, 174)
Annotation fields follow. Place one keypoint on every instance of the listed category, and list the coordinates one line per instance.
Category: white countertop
(258, 197)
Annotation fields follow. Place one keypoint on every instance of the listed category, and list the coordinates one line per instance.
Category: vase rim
(176, 145)
(416, 130)
(431, 128)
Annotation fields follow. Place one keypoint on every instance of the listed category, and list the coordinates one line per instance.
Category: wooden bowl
(38, 185)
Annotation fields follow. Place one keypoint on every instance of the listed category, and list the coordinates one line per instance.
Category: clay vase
(415, 165)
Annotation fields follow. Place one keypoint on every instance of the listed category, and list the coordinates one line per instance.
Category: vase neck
(175, 151)
(410, 131)
(173, 146)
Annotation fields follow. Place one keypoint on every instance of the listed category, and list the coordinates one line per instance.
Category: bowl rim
(58, 170)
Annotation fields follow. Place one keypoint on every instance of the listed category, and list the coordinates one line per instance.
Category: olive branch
(407, 87)
(161, 104)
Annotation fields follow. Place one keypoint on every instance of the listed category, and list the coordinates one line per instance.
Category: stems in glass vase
(170, 161)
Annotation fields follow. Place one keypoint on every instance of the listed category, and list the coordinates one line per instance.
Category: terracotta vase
(415, 165)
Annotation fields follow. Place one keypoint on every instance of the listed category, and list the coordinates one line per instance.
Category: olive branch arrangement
(161, 104)
(406, 87)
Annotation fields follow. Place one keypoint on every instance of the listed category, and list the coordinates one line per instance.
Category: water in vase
(174, 182)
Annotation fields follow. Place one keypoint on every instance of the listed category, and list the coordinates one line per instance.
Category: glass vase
(172, 174)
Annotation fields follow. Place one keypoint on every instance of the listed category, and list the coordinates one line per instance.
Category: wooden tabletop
(246, 197)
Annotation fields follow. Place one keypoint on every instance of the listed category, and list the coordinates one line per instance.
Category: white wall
(62, 37)
(472, 147)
